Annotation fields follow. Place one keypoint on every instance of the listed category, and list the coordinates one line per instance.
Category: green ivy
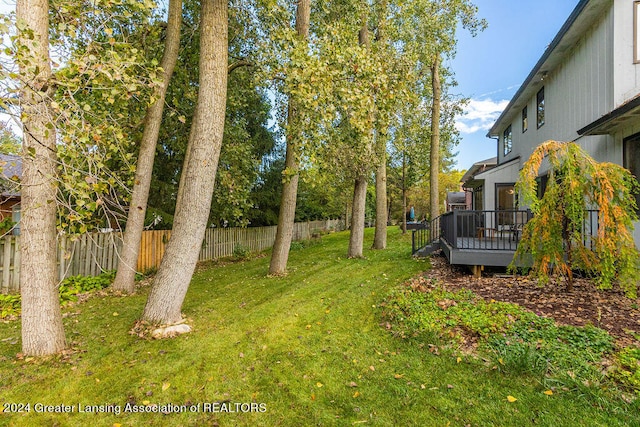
(69, 289)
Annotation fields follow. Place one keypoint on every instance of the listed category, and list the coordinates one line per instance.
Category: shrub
(240, 251)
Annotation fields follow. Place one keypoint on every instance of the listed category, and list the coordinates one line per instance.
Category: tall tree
(434, 194)
(125, 276)
(286, 218)
(196, 187)
(42, 329)
(356, 235)
(380, 237)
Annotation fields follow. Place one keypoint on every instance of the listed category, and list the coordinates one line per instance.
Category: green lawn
(306, 349)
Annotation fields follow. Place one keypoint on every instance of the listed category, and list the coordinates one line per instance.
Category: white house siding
(577, 92)
(626, 73)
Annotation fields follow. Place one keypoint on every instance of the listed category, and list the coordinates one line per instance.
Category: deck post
(455, 228)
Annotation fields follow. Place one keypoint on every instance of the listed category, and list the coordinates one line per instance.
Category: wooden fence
(93, 253)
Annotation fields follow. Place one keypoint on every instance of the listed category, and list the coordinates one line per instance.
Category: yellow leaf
(319, 384)
(459, 359)
(398, 376)
(165, 386)
(115, 313)
(549, 393)
(511, 399)
(308, 326)
(145, 402)
(356, 394)
(117, 425)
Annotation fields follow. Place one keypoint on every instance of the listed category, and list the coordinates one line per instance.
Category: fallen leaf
(145, 402)
(422, 386)
(308, 326)
(319, 384)
(549, 393)
(449, 386)
(356, 394)
(459, 359)
(511, 399)
(165, 386)
(372, 368)
(115, 313)
(398, 376)
(353, 384)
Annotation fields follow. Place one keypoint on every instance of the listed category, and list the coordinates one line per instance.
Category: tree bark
(287, 214)
(190, 222)
(125, 276)
(356, 237)
(380, 238)
(42, 328)
(434, 197)
(404, 192)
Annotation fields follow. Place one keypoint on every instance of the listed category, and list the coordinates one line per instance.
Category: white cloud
(480, 115)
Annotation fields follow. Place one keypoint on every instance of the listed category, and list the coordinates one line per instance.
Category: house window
(631, 159)
(636, 32)
(507, 139)
(540, 107)
(525, 122)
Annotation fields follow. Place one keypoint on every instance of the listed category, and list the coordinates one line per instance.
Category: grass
(309, 347)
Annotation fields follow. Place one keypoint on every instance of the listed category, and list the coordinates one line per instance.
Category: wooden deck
(497, 252)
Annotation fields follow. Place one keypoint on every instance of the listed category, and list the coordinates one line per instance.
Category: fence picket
(94, 253)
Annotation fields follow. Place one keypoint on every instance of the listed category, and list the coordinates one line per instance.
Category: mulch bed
(585, 304)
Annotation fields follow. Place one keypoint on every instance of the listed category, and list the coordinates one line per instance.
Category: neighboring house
(585, 88)
(10, 174)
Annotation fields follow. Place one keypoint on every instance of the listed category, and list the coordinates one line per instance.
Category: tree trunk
(380, 239)
(356, 237)
(125, 276)
(42, 329)
(287, 214)
(434, 197)
(190, 222)
(404, 193)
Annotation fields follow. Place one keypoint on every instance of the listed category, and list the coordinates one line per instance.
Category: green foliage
(74, 285)
(69, 289)
(516, 340)
(556, 237)
(241, 252)
(628, 367)
(6, 225)
(10, 143)
(9, 305)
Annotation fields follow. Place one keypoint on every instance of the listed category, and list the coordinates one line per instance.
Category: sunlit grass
(308, 346)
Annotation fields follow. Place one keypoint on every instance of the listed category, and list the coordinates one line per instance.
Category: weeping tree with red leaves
(555, 242)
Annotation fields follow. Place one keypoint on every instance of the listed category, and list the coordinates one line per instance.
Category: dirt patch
(610, 310)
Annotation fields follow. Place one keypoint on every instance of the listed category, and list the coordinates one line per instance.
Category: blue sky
(490, 67)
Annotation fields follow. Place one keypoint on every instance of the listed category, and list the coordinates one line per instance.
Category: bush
(627, 369)
(240, 251)
(9, 305)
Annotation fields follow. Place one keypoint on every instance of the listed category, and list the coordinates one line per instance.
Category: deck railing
(425, 234)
